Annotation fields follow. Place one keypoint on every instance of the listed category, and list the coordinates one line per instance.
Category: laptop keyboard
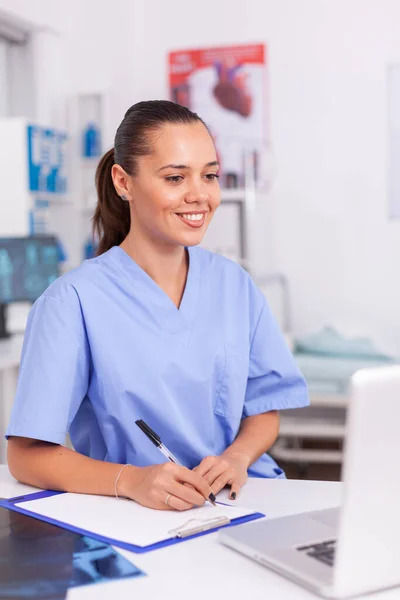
(323, 551)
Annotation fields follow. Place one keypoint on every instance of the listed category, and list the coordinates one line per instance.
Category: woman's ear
(120, 179)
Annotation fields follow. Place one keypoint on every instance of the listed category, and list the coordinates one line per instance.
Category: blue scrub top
(105, 346)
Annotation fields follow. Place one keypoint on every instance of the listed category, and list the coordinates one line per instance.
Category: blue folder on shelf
(125, 524)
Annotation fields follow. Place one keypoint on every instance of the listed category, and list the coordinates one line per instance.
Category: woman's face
(175, 192)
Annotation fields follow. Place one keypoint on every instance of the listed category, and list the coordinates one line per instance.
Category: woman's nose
(197, 193)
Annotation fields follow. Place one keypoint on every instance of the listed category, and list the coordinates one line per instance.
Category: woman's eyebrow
(171, 166)
(213, 163)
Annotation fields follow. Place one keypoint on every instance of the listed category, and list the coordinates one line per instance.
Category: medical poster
(227, 87)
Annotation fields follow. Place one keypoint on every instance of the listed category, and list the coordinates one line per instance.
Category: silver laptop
(339, 553)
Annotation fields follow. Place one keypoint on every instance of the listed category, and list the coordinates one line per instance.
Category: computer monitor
(28, 265)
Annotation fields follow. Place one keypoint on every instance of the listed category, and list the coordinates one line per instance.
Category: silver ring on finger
(167, 499)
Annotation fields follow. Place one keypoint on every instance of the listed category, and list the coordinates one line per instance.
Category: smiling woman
(178, 199)
(140, 171)
(154, 329)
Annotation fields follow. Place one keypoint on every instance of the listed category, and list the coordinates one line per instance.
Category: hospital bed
(314, 434)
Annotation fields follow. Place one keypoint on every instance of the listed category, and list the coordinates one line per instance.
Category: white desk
(10, 352)
(202, 569)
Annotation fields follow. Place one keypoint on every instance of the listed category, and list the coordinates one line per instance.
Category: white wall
(4, 95)
(44, 13)
(327, 61)
(101, 54)
(92, 46)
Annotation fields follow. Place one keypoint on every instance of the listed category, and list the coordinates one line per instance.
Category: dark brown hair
(111, 220)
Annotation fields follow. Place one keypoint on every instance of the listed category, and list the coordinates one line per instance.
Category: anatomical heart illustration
(231, 89)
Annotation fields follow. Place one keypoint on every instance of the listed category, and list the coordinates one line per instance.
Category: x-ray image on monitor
(27, 267)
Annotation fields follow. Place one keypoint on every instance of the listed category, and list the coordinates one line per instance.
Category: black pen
(153, 437)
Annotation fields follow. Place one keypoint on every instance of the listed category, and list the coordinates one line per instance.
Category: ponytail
(111, 219)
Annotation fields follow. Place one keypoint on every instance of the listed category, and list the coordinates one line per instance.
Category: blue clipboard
(14, 504)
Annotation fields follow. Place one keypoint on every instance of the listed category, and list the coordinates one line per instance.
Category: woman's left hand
(226, 469)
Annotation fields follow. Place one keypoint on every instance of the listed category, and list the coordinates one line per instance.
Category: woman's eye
(212, 176)
(174, 178)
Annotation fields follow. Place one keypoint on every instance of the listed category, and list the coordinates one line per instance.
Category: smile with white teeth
(192, 217)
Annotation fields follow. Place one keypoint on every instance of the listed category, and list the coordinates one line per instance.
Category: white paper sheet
(123, 520)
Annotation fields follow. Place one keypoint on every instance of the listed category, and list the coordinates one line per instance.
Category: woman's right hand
(153, 486)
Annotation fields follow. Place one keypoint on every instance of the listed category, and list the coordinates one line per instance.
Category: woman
(153, 328)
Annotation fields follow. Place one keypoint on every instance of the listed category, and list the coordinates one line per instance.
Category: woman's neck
(166, 265)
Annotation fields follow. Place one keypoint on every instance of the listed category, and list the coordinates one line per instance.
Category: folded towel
(329, 342)
(331, 374)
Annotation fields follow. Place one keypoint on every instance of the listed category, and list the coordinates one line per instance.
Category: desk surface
(202, 568)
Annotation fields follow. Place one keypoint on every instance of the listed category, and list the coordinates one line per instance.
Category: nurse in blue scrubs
(153, 328)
